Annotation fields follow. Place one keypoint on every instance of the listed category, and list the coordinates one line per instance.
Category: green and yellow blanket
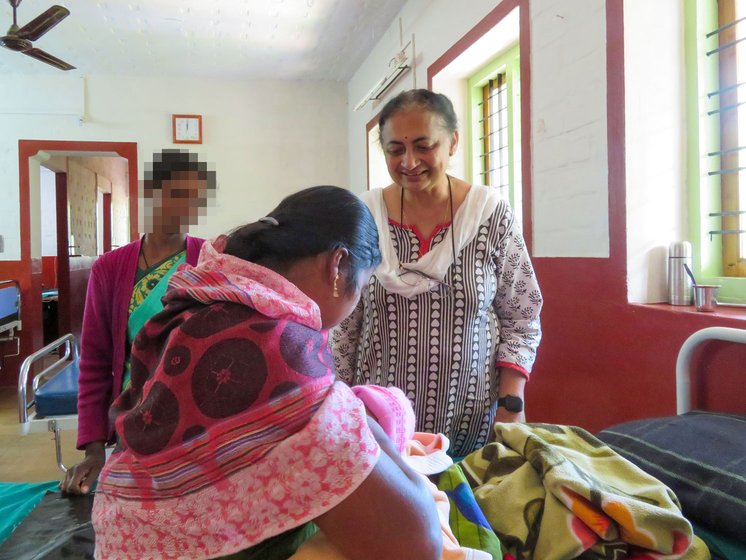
(556, 492)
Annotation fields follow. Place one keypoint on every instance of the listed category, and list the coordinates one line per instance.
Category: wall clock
(187, 129)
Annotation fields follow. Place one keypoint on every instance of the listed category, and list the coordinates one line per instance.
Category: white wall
(655, 141)
(48, 188)
(568, 104)
(568, 128)
(120, 232)
(266, 139)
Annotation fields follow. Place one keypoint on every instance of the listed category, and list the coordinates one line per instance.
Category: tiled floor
(29, 458)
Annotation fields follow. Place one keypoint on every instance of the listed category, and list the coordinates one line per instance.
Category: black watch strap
(511, 403)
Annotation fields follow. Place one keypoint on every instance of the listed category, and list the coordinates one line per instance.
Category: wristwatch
(511, 403)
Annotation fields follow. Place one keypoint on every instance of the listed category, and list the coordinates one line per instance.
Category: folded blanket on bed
(468, 523)
(554, 492)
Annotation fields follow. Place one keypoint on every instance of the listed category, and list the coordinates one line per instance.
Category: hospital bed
(700, 455)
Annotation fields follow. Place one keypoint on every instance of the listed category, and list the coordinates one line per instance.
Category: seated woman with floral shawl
(234, 430)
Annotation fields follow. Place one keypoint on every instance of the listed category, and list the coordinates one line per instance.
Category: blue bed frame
(10, 315)
(10, 306)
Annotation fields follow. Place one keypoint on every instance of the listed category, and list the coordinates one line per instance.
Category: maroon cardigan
(102, 344)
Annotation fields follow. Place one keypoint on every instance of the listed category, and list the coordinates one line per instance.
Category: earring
(335, 290)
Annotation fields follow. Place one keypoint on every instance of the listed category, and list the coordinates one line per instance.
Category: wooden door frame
(106, 221)
(63, 258)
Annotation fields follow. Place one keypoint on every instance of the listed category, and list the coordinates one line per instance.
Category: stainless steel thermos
(679, 283)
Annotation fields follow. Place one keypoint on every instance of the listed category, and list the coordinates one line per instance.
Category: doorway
(33, 154)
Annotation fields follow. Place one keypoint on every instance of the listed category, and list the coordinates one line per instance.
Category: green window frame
(494, 126)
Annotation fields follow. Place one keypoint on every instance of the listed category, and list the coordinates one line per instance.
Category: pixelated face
(179, 202)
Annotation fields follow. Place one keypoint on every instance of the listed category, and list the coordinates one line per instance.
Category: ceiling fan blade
(39, 54)
(43, 23)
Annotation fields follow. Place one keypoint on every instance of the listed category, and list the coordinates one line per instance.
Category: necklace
(142, 253)
(450, 206)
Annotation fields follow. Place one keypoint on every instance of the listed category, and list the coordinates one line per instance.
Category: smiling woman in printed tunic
(452, 314)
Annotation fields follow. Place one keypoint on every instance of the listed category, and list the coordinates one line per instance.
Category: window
(731, 113)
(494, 121)
(495, 127)
(716, 91)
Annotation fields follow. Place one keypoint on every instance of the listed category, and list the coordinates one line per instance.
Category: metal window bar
(497, 140)
(493, 156)
(499, 172)
(492, 152)
(724, 27)
(726, 171)
(496, 168)
(725, 89)
(494, 134)
(726, 151)
(726, 232)
(726, 46)
(486, 117)
(727, 213)
(726, 108)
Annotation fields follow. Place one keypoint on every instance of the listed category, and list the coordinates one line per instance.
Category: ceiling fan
(20, 38)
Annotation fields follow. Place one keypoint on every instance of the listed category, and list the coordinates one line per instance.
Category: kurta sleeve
(344, 340)
(95, 381)
(518, 299)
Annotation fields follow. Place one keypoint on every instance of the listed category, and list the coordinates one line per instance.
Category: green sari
(150, 287)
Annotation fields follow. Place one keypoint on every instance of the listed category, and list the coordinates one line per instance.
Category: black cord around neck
(142, 253)
(450, 205)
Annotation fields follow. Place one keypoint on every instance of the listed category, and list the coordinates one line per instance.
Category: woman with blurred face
(124, 290)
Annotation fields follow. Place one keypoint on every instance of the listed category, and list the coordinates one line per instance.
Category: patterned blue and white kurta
(443, 348)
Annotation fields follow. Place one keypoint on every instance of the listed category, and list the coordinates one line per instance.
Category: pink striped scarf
(233, 429)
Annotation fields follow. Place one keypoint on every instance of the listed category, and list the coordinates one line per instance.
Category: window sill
(724, 311)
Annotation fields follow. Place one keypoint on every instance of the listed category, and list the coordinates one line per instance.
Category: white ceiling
(241, 39)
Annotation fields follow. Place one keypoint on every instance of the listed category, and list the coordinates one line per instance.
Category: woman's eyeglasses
(413, 277)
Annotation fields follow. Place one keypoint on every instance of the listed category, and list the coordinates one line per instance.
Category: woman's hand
(80, 478)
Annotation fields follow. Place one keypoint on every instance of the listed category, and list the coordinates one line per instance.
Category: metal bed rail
(31, 422)
(683, 361)
(70, 350)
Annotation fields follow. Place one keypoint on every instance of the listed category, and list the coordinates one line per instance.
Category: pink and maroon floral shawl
(234, 429)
